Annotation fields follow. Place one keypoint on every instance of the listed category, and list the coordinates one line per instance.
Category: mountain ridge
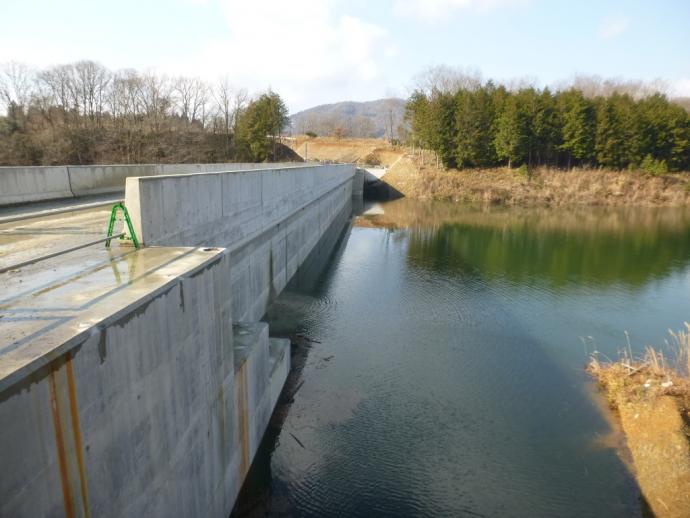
(361, 119)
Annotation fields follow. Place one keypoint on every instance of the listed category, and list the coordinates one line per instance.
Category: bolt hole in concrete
(457, 384)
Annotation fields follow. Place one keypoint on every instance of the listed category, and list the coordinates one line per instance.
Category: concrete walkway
(44, 304)
(38, 235)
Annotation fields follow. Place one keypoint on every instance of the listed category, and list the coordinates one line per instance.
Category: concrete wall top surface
(82, 290)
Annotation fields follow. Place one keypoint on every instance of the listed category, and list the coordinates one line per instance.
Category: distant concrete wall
(269, 221)
(30, 184)
(22, 184)
(100, 179)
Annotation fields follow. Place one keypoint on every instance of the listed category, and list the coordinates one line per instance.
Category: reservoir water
(440, 364)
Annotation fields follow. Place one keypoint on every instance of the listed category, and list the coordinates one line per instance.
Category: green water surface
(446, 373)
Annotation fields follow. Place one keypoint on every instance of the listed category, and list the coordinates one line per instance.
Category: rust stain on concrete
(243, 421)
(76, 428)
(59, 441)
(68, 440)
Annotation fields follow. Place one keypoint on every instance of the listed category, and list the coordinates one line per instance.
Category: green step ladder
(128, 221)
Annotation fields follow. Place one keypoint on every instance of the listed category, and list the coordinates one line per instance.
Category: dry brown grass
(421, 179)
(359, 151)
(650, 375)
(680, 342)
(543, 186)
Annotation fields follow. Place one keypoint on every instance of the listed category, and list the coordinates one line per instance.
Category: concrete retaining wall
(261, 368)
(269, 221)
(30, 184)
(263, 266)
(358, 182)
(159, 408)
(373, 174)
(136, 420)
(225, 208)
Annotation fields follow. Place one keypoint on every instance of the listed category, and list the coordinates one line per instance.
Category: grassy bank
(541, 186)
(651, 395)
(422, 180)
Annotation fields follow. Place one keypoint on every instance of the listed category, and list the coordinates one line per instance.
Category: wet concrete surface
(46, 304)
(33, 237)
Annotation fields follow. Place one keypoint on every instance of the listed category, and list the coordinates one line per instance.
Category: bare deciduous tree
(58, 80)
(596, 86)
(240, 100)
(16, 84)
(154, 93)
(90, 83)
(84, 113)
(190, 97)
(445, 79)
(223, 97)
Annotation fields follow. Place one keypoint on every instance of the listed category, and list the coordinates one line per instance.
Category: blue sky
(316, 51)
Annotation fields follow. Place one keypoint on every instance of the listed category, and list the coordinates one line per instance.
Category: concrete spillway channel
(139, 382)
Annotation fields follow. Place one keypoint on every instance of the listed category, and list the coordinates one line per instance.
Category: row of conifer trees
(488, 125)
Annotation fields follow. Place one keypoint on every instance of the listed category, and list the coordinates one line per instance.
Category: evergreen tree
(418, 117)
(546, 127)
(475, 115)
(442, 126)
(513, 132)
(578, 123)
(617, 135)
(664, 131)
(260, 124)
(484, 125)
(679, 158)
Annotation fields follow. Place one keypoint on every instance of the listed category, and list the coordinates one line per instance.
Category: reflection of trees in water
(406, 213)
(553, 245)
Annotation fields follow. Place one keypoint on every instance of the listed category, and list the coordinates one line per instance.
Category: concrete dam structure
(139, 382)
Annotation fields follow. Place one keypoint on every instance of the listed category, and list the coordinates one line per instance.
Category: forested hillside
(487, 125)
(83, 113)
(372, 119)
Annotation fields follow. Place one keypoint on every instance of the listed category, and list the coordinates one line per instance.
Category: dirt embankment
(652, 401)
(419, 178)
(376, 152)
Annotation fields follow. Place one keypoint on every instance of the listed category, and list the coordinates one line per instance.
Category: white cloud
(434, 10)
(302, 49)
(681, 87)
(613, 27)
